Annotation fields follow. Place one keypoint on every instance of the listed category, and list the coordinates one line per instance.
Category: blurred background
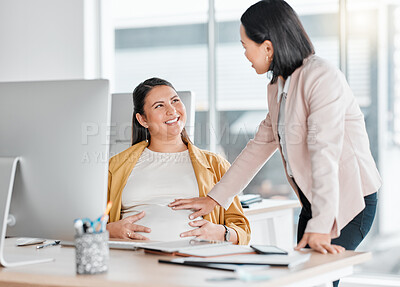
(195, 44)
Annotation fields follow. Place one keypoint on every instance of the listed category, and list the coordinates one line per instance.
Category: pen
(56, 242)
(78, 225)
(87, 227)
(104, 223)
(109, 204)
(101, 222)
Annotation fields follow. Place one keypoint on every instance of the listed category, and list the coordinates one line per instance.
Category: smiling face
(164, 114)
(257, 53)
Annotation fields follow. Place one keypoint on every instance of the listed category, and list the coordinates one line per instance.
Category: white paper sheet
(166, 224)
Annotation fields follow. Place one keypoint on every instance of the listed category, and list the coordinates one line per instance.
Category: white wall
(49, 39)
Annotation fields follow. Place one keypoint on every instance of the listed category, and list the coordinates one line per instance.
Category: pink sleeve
(246, 166)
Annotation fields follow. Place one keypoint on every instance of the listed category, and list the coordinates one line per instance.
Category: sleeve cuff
(319, 225)
(219, 197)
(242, 236)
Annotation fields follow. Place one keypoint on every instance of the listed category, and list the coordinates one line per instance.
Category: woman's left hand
(202, 205)
(319, 242)
(205, 230)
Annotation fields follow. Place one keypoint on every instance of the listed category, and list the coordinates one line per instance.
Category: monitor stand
(8, 168)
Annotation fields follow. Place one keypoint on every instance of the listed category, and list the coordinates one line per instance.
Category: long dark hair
(140, 133)
(276, 21)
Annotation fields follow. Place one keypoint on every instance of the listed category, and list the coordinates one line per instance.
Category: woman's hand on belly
(202, 205)
(205, 230)
(126, 228)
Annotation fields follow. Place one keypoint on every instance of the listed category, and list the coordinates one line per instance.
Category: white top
(155, 181)
(282, 94)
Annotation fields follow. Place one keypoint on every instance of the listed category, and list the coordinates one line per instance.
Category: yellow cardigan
(208, 168)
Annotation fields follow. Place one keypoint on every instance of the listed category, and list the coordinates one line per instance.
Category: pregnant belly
(166, 224)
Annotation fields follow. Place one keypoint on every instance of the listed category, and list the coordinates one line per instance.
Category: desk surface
(269, 205)
(134, 268)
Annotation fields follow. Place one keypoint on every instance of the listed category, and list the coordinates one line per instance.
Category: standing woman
(317, 125)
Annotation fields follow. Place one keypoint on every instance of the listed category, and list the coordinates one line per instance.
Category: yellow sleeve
(109, 186)
(234, 218)
(109, 189)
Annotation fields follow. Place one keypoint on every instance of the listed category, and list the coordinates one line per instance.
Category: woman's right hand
(126, 228)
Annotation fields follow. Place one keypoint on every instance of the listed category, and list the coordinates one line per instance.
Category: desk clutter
(246, 262)
(91, 244)
(92, 251)
(195, 247)
(136, 268)
(246, 200)
(290, 260)
(224, 255)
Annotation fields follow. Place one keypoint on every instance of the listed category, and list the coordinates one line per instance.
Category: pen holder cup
(91, 253)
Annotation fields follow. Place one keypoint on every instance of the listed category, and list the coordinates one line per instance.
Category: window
(166, 39)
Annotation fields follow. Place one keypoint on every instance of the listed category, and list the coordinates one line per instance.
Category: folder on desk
(196, 248)
(290, 260)
(224, 267)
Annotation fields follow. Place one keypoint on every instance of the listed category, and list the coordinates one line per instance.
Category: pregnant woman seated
(161, 165)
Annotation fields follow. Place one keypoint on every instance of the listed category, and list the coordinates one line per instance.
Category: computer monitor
(58, 129)
(121, 119)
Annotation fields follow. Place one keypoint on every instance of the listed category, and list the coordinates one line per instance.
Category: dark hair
(140, 133)
(276, 21)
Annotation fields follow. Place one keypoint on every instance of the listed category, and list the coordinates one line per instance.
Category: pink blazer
(327, 148)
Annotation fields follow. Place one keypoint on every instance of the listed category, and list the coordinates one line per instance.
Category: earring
(267, 59)
(145, 131)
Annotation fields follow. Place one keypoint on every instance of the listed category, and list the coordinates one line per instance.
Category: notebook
(124, 244)
(292, 259)
(196, 247)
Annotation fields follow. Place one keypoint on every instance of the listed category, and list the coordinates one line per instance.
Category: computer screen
(59, 131)
(121, 119)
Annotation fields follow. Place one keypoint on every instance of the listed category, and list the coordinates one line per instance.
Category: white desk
(134, 268)
(271, 222)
